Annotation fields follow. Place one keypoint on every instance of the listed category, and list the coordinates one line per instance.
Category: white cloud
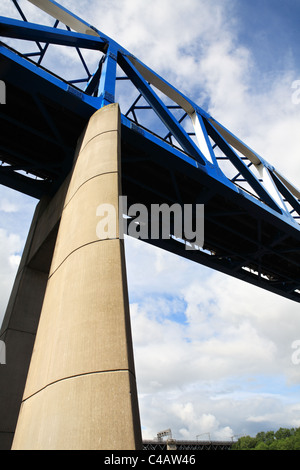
(7, 206)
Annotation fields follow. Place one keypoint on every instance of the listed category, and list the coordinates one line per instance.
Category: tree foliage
(283, 439)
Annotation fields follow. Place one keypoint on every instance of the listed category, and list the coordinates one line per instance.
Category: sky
(213, 355)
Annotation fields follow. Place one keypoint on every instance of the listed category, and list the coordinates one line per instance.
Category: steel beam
(161, 110)
(12, 28)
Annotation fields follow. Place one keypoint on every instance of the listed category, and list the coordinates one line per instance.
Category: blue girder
(251, 217)
(12, 28)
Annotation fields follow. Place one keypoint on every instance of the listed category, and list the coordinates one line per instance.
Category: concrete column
(81, 389)
(23, 312)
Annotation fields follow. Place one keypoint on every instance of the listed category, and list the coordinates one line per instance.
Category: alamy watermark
(296, 93)
(2, 92)
(159, 221)
(296, 353)
(2, 353)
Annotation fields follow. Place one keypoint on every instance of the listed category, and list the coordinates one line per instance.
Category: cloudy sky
(213, 354)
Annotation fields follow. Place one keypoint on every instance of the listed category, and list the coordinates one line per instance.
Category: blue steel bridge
(173, 151)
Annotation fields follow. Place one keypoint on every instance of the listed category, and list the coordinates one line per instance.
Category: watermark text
(2, 353)
(296, 93)
(159, 221)
(2, 92)
(296, 353)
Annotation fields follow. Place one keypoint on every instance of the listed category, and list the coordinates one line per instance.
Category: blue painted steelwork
(161, 110)
(251, 213)
(11, 28)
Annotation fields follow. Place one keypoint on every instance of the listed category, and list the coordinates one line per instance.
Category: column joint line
(109, 371)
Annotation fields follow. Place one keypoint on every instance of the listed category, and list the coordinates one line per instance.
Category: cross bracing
(172, 149)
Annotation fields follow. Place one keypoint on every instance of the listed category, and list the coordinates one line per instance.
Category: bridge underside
(40, 125)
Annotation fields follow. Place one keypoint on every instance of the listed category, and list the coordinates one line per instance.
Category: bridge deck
(157, 445)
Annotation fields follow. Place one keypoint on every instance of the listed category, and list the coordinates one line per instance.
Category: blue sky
(270, 28)
(213, 354)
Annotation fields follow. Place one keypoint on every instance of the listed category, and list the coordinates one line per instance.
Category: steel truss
(172, 149)
(188, 445)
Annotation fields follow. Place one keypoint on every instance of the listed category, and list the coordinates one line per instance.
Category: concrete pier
(80, 391)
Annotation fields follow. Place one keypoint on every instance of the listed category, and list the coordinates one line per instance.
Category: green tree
(283, 439)
(275, 445)
(261, 446)
(283, 433)
(261, 436)
(270, 437)
(245, 443)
